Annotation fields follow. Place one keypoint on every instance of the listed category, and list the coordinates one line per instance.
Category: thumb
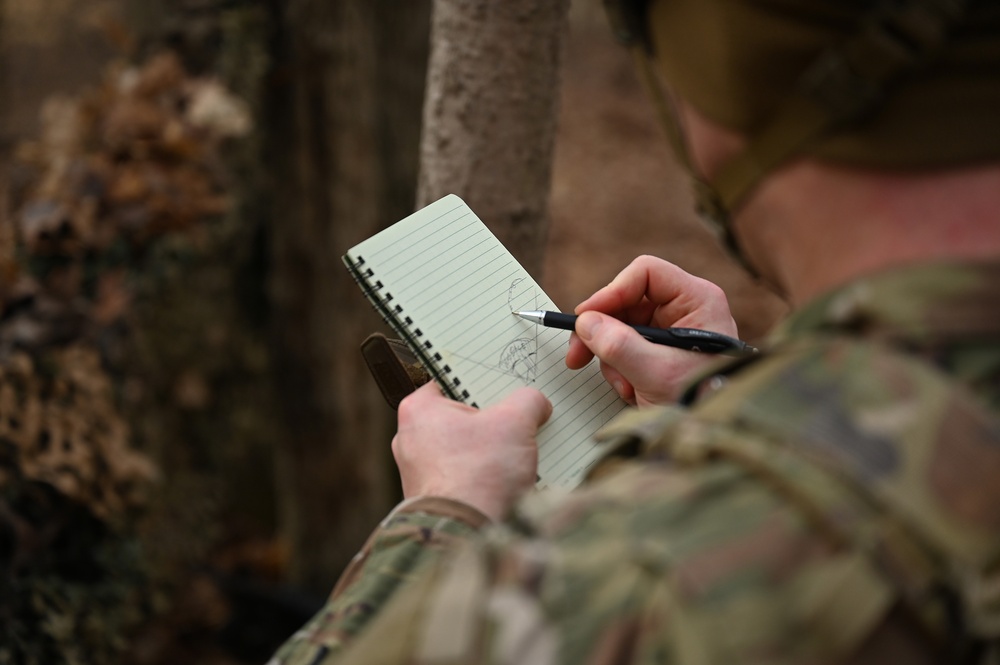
(536, 406)
(616, 344)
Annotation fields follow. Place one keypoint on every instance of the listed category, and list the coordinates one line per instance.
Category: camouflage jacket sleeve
(413, 535)
(652, 564)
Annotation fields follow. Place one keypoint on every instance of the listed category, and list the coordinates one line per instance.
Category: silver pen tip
(533, 316)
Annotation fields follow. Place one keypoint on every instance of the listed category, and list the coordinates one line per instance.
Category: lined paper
(444, 281)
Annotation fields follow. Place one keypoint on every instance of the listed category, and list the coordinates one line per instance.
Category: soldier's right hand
(651, 292)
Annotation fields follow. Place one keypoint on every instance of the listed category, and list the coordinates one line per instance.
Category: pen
(689, 339)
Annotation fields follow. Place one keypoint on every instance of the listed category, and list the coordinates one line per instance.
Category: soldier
(834, 499)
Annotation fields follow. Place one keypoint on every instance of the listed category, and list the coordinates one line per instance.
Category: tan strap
(842, 86)
(706, 198)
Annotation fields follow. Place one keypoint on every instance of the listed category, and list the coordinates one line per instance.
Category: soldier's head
(891, 86)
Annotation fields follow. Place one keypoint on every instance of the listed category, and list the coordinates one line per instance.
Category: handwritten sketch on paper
(519, 357)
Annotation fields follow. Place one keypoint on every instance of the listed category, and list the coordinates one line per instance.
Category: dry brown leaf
(113, 298)
(191, 390)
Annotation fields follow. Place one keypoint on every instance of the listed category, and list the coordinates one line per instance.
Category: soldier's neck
(813, 227)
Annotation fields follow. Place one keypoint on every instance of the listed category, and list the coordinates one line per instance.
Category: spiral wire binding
(406, 329)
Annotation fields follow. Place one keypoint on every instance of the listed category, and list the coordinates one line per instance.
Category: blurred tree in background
(490, 116)
(171, 283)
(336, 91)
(343, 125)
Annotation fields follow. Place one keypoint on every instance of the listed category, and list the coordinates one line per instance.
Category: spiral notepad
(447, 286)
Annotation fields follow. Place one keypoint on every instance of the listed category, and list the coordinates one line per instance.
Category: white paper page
(457, 285)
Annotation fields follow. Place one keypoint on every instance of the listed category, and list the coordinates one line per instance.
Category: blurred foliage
(70, 485)
(124, 274)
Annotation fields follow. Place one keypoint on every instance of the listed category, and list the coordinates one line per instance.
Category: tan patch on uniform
(616, 644)
(453, 611)
(521, 635)
(772, 548)
(964, 473)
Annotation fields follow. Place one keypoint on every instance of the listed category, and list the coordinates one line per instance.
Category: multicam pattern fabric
(835, 500)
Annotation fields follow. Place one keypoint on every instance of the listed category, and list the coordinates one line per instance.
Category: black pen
(689, 339)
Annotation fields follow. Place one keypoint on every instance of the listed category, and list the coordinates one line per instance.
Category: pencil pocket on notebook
(396, 370)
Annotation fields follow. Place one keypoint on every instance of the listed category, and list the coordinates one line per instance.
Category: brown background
(616, 192)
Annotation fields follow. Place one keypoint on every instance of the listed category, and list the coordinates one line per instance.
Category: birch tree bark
(490, 114)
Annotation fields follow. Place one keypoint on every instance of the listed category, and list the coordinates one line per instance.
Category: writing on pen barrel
(689, 339)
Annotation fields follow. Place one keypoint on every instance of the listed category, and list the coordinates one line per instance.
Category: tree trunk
(344, 126)
(490, 113)
(403, 47)
(4, 93)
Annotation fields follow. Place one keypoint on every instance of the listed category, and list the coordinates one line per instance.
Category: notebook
(448, 287)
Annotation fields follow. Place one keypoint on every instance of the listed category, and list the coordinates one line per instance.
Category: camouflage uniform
(836, 499)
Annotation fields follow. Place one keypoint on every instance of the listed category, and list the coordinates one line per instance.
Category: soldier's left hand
(483, 457)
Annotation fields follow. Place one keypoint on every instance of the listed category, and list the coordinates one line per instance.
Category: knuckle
(615, 342)
(524, 397)
(407, 408)
(644, 261)
(712, 292)
(651, 263)
(517, 400)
